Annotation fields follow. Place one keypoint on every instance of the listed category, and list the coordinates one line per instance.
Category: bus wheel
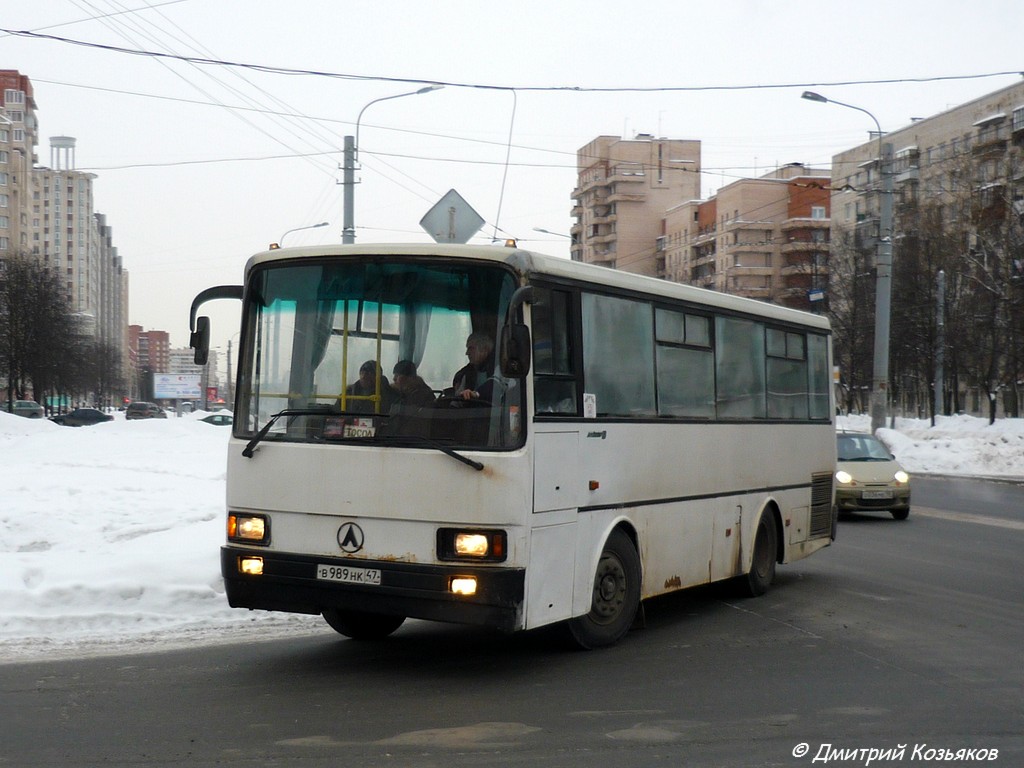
(616, 596)
(762, 565)
(360, 625)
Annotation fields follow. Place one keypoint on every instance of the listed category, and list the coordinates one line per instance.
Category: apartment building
(182, 362)
(765, 238)
(152, 349)
(18, 129)
(967, 159)
(48, 212)
(624, 187)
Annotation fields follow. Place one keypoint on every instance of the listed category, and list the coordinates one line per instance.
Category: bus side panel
(549, 577)
(694, 493)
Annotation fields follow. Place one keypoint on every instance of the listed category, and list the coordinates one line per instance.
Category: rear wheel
(762, 565)
(360, 625)
(616, 596)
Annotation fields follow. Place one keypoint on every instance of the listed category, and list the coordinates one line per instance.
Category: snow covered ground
(110, 534)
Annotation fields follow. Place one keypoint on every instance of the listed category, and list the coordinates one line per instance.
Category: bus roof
(530, 263)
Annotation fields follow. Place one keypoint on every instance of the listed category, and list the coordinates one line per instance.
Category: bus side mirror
(199, 340)
(200, 326)
(515, 350)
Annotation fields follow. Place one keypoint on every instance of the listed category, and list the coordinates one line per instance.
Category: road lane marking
(968, 517)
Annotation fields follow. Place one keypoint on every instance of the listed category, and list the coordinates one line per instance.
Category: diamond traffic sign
(452, 220)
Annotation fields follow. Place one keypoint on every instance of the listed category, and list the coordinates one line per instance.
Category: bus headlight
(844, 477)
(249, 529)
(471, 544)
(902, 477)
(480, 545)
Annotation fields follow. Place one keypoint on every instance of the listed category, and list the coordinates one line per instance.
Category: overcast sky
(200, 165)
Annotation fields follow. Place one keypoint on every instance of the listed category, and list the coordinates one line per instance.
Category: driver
(475, 380)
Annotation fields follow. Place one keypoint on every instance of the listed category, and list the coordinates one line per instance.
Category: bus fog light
(463, 585)
(251, 566)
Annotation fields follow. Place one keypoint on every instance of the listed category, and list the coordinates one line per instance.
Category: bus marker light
(594, 485)
(251, 566)
(463, 585)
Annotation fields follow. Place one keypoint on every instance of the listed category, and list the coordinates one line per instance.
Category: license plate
(876, 495)
(347, 575)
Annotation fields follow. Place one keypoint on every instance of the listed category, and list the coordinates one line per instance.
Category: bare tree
(36, 331)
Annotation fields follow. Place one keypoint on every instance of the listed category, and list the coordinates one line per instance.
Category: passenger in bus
(366, 386)
(475, 381)
(412, 390)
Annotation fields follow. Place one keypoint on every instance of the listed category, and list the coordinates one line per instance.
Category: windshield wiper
(258, 437)
(419, 440)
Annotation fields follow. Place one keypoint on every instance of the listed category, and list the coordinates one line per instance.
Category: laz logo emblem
(350, 538)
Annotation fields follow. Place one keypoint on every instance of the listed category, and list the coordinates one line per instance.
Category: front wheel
(900, 514)
(762, 565)
(360, 625)
(616, 596)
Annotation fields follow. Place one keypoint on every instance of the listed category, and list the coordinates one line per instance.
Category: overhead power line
(455, 84)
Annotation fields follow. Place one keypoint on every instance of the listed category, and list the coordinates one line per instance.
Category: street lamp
(549, 232)
(348, 231)
(883, 271)
(299, 229)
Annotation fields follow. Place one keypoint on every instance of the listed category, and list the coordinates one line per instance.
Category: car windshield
(861, 448)
(377, 351)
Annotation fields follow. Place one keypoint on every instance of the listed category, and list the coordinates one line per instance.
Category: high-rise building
(152, 351)
(47, 212)
(18, 137)
(622, 192)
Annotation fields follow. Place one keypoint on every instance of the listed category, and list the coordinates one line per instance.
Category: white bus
(625, 438)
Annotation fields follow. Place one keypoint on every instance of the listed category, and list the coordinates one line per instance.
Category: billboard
(176, 386)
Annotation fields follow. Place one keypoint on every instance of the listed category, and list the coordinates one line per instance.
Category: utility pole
(348, 227)
(883, 293)
(940, 341)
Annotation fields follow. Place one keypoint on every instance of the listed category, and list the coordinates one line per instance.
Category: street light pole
(350, 157)
(280, 240)
(883, 271)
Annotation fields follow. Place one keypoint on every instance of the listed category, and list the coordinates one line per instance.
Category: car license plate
(347, 575)
(876, 495)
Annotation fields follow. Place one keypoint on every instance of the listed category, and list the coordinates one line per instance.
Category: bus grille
(821, 504)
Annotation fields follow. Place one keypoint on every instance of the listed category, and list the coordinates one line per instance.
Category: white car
(868, 477)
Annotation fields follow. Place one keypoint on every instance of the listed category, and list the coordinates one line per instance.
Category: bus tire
(900, 514)
(360, 625)
(762, 563)
(616, 596)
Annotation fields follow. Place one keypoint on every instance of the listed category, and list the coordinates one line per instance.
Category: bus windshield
(377, 351)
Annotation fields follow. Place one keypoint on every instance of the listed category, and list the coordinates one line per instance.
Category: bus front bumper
(290, 583)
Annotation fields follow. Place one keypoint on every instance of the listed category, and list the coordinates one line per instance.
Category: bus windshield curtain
(413, 326)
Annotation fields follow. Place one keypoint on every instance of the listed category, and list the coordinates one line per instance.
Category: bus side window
(554, 378)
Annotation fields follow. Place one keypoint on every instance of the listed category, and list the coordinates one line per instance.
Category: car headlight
(902, 477)
(843, 477)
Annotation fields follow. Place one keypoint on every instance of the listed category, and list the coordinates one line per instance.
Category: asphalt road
(903, 633)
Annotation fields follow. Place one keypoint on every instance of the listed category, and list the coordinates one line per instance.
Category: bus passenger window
(554, 378)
